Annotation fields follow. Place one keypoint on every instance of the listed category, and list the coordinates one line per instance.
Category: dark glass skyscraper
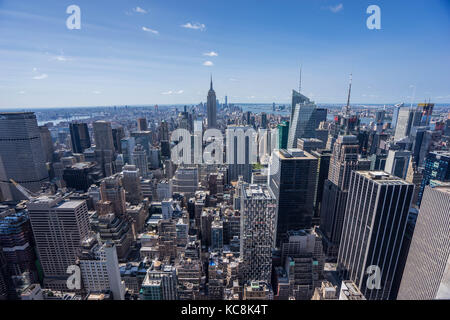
(79, 135)
(437, 167)
(303, 119)
(293, 182)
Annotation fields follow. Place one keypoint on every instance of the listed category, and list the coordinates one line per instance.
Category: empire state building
(211, 107)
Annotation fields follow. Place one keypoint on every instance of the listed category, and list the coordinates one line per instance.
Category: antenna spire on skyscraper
(300, 82)
(347, 107)
(211, 82)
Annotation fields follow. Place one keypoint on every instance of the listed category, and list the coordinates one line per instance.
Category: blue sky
(147, 52)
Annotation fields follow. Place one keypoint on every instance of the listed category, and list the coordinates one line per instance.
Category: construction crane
(27, 193)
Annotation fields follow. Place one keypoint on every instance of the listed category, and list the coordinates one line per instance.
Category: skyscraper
(104, 146)
(79, 135)
(293, 178)
(142, 124)
(211, 107)
(427, 271)
(397, 163)
(132, 184)
(344, 160)
(16, 241)
(303, 119)
(111, 189)
(140, 160)
(100, 268)
(103, 135)
(59, 227)
(437, 167)
(283, 134)
(407, 119)
(323, 167)
(118, 134)
(374, 226)
(21, 155)
(47, 143)
(258, 223)
(395, 115)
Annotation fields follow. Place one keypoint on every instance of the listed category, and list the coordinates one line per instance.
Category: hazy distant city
(313, 197)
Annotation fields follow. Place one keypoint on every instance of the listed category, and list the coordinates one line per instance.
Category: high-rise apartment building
(372, 235)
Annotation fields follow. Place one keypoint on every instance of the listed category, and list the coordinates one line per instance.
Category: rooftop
(294, 154)
(382, 177)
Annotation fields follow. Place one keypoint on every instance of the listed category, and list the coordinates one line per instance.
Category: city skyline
(141, 52)
(316, 166)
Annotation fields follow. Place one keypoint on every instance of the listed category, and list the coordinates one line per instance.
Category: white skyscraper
(100, 268)
(59, 227)
(258, 227)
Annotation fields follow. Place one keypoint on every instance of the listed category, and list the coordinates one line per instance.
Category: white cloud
(21, 92)
(336, 8)
(96, 92)
(140, 10)
(443, 97)
(211, 54)
(234, 79)
(172, 92)
(195, 26)
(60, 58)
(41, 77)
(208, 63)
(150, 30)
